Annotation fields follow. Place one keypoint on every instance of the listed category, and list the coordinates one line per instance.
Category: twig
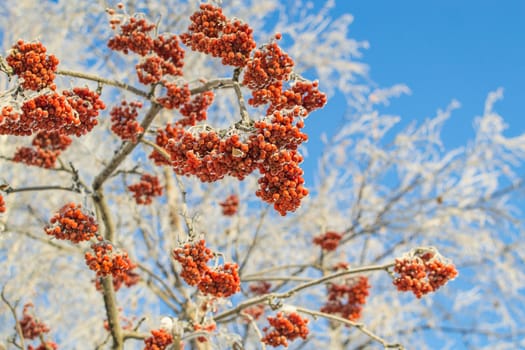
(300, 287)
(361, 327)
(13, 311)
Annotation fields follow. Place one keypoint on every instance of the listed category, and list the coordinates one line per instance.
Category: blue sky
(442, 50)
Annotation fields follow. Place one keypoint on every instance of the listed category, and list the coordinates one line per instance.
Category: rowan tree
(153, 195)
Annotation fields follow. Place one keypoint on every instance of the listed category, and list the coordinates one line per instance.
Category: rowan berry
(222, 281)
(73, 224)
(230, 205)
(86, 104)
(195, 110)
(285, 327)
(260, 288)
(134, 36)
(51, 141)
(160, 339)
(36, 157)
(35, 69)
(347, 299)
(144, 191)
(423, 271)
(193, 257)
(105, 261)
(31, 327)
(212, 33)
(328, 241)
(124, 121)
(44, 346)
(2, 204)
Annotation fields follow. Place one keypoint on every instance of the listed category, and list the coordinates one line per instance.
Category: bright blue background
(443, 50)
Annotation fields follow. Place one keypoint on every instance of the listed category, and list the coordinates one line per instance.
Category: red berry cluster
(35, 69)
(328, 241)
(209, 327)
(423, 271)
(269, 66)
(2, 204)
(260, 288)
(44, 346)
(255, 311)
(134, 36)
(35, 157)
(284, 327)
(347, 299)
(72, 223)
(212, 33)
(129, 279)
(47, 146)
(124, 121)
(272, 150)
(86, 104)
(105, 261)
(195, 110)
(176, 95)
(73, 112)
(160, 339)
(194, 258)
(230, 205)
(221, 281)
(148, 187)
(167, 58)
(31, 328)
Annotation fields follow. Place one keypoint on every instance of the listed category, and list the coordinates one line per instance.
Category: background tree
(211, 260)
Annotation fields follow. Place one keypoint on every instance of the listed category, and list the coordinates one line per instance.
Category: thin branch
(10, 189)
(361, 327)
(300, 287)
(104, 81)
(13, 311)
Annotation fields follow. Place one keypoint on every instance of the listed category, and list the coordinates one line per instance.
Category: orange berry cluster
(260, 288)
(160, 339)
(195, 110)
(129, 279)
(272, 150)
(212, 33)
(284, 327)
(134, 36)
(72, 223)
(255, 311)
(105, 261)
(36, 157)
(47, 146)
(124, 121)
(44, 346)
(221, 281)
(35, 69)
(347, 299)
(31, 328)
(86, 104)
(328, 241)
(230, 205)
(268, 66)
(148, 187)
(2, 204)
(73, 112)
(194, 258)
(168, 59)
(423, 271)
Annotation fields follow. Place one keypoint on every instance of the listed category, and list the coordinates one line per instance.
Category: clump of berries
(160, 339)
(230, 205)
(422, 271)
(221, 281)
(124, 121)
(144, 191)
(347, 299)
(106, 261)
(285, 327)
(48, 345)
(73, 224)
(2, 204)
(128, 279)
(212, 33)
(35, 69)
(31, 327)
(47, 146)
(328, 241)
